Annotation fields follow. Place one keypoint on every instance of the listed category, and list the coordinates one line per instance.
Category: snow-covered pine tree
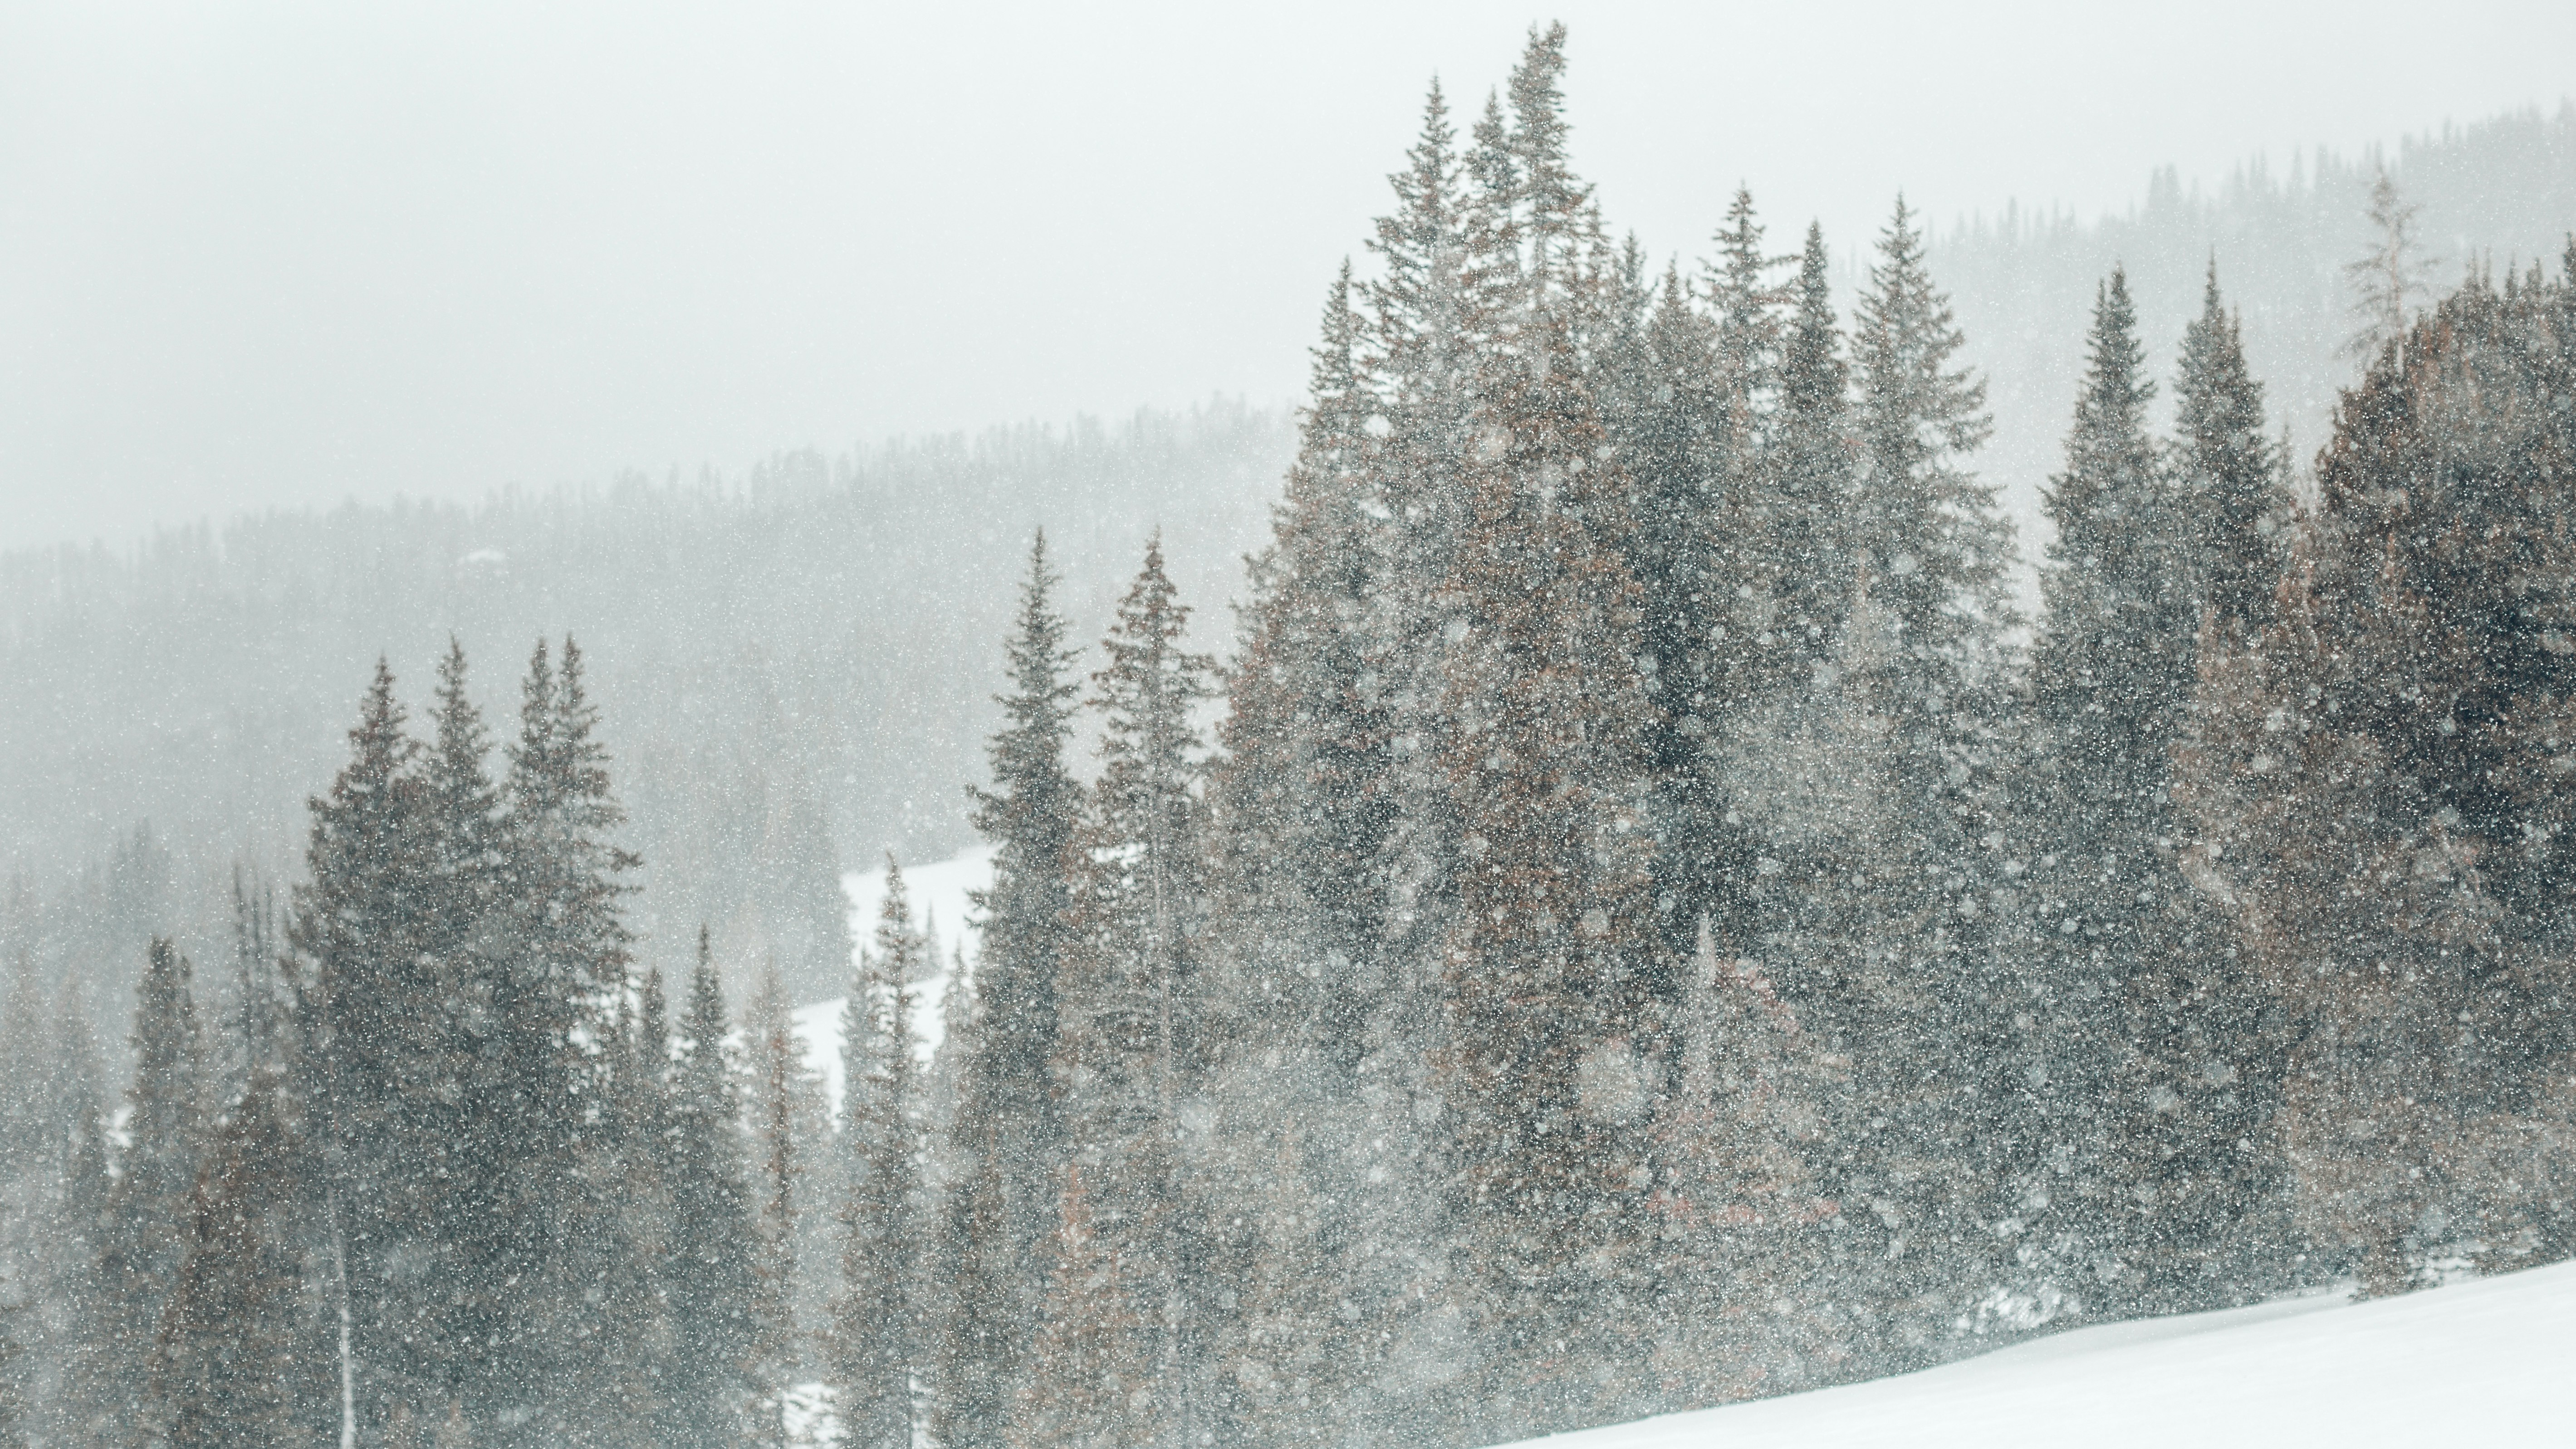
(486, 1261)
(241, 1359)
(1551, 1055)
(1130, 999)
(707, 1281)
(1422, 316)
(2230, 481)
(1302, 780)
(2129, 1181)
(1008, 1112)
(780, 1109)
(1911, 983)
(1091, 1384)
(63, 1189)
(2383, 802)
(970, 1395)
(2389, 282)
(366, 983)
(564, 1214)
(1812, 459)
(1680, 438)
(1298, 961)
(144, 1236)
(878, 1331)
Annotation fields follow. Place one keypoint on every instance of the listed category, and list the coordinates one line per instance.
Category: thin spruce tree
(878, 1331)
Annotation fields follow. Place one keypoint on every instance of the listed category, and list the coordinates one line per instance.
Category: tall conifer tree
(877, 1335)
(144, 1235)
(1131, 1044)
(1551, 1054)
(780, 1111)
(2231, 489)
(1912, 983)
(1008, 1104)
(709, 1279)
(241, 1359)
(367, 981)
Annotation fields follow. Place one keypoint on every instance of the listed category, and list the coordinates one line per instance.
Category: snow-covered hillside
(2489, 1362)
(939, 894)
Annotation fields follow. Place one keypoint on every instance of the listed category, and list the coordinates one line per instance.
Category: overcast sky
(276, 254)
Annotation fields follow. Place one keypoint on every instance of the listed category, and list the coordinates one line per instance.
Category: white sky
(276, 254)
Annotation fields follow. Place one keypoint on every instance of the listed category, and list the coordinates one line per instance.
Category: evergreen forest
(1665, 894)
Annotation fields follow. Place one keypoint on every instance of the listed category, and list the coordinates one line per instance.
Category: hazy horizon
(276, 256)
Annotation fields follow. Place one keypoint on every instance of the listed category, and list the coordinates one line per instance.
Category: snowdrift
(2491, 1362)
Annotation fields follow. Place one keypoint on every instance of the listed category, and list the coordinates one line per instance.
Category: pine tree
(2377, 781)
(2130, 1056)
(780, 1108)
(242, 1360)
(1131, 1046)
(1911, 981)
(2229, 480)
(2388, 284)
(366, 983)
(1812, 452)
(971, 1395)
(144, 1234)
(1681, 440)
(1548, 200)
(1094, 1387)
(1008, 1112)
(1303, 778)
(708, 1281)
(878, 1333)
(1551, 1057)
(487, 1259)
(73, 1184)
(566, 1225)
(1439, 255)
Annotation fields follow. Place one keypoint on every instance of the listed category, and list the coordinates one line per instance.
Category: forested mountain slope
(797, 663)
(2498, 190)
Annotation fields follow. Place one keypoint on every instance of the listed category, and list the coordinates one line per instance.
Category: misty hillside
(2495, 192)
(856, 598)
(798, 663)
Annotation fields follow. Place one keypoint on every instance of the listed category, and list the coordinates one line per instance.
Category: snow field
(2487, 1362)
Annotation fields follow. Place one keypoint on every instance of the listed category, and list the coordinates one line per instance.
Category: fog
(259, 256)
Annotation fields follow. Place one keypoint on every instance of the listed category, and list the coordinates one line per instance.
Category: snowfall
(2487, 1361)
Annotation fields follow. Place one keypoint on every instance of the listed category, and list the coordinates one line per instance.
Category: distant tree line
(1648, 925)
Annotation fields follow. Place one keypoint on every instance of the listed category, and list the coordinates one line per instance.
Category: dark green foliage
(2140, 1052)
(1008, 1114)
(707, 1279)
(2380, 782)
(143, 1231)
(243, 1355)
(2230, 493)
(1128, 1050)
(877, 1336)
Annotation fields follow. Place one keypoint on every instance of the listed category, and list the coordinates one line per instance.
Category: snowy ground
(2488, 1362)
(938, 895)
